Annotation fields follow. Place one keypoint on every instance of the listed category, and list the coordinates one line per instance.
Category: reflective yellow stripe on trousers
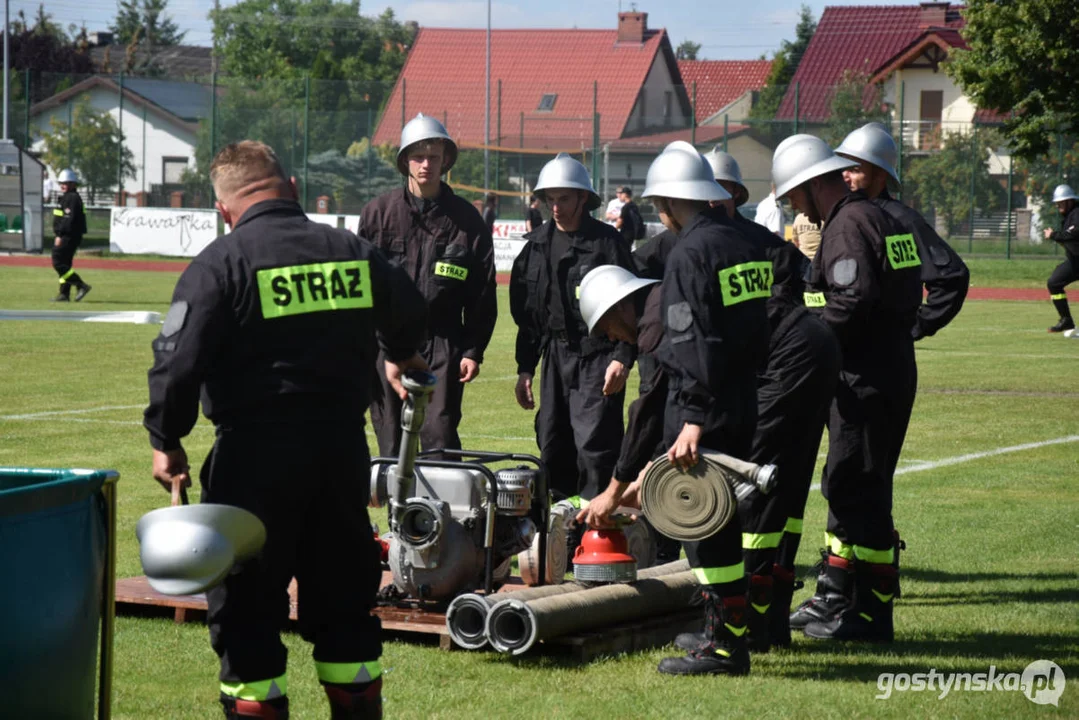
(348, 673)
(720, 575)
(258, 690)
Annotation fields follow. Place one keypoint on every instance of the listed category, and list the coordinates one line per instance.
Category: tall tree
(1023, 56)
(48, 53)
(91, 145)
(784, 64)
(855, 102)
(687, 50)
(145, 21)
(943, 181)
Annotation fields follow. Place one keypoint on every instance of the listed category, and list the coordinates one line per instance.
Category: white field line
(61, 413)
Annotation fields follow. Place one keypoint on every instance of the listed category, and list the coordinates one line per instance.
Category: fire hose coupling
(420, 523)
(419, 385)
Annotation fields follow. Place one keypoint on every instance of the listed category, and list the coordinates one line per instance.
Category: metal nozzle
(419, 384)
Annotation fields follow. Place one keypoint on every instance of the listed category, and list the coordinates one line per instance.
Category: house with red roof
(723, 89)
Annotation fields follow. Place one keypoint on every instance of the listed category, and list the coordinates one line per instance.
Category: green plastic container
(56, 562)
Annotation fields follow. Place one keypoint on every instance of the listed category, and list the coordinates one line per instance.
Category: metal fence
(338, 138)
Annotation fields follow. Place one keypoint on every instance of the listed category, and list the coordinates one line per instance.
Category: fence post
(404, 89)
(213, 117)
(498, 136)
(899, 159)
(370, 142)
(595, 128)
(144, 152)
(797, 92)
(306, 131)
(725, 132)
(1008, 241)
(973, 171)
(26, 118)
(693, 118)
(120, 147)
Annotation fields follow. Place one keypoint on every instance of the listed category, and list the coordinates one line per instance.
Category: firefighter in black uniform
(276, 324)
(579, 423)
(944, 274)
(446, 249)
(68, 227)
(866, 283)
(1067, 272)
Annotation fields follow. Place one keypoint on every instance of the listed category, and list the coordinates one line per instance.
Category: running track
(976, 293)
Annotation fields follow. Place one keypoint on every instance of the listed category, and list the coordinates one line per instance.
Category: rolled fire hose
(466, 616)
(514, 626)
(696, 504)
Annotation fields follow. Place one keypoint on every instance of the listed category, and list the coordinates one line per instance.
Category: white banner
(506, 251)
(323, 219)
(161, 231)
(508, 229)
(352, 224)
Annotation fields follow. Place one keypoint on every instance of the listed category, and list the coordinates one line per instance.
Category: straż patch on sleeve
(679, 316)
(845, 272)
(174, 320)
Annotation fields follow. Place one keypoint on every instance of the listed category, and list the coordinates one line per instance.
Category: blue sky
(728, 29)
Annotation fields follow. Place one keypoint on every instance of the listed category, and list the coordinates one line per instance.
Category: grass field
(990, 576)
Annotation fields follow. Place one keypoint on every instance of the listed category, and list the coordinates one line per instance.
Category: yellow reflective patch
(884, 598)
(1059, 296)
(902, 252)
(58, 212)
(813, 299)
(299, 289)
(881, 557)
(456, 272)
(577, 292)
(761, 541)
(748, 281)
(737, 631)
(716, 576)
(838, 547)
(760, 609)
(258, 691)
(348, 673)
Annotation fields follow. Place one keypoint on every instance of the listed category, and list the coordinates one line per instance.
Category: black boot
(355, 702)
(1065, 322)
(779, 615)
(833, 594)
(869, 618)
(83, 289)
(725, 652)
(276, 709)
(761, 597)
(898, 544)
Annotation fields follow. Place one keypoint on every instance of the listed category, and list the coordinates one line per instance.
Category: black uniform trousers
(310, 488)
(63, 255)
(578, 428)
(866, 427)
(1065, 273)
(443, 409)
(794, 393)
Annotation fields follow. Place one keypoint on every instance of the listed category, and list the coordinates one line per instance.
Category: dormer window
(547, 102)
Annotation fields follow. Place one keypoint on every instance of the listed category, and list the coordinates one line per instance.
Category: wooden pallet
(135, 596)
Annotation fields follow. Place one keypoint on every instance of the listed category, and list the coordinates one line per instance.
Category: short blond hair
(243, 164)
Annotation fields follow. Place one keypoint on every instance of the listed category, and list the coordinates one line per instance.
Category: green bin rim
(55, 478)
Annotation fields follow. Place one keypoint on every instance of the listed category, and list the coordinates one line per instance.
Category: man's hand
(614, 381)
(598, 512)
(171, 470)
(631, 498)
(523, 391)
(394, 371)
(470, 370)
(683, 454)
(1048, 232)
(56, 242)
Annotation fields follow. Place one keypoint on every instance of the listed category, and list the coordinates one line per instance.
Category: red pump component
(603, 556)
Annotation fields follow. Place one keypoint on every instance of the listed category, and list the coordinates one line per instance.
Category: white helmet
(189, 548)
(801, 158)
(681, 172)
(424, 127)
(725, 167)
(565, 172)
(871, 143)
(603, 288)
(67, 175)
(1064, 192)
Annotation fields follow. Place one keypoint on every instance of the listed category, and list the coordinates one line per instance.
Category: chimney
(933, 14)
(632, 26)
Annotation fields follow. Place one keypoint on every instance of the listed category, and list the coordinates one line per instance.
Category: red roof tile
(444, 77)
(721, 82)
(861, 39)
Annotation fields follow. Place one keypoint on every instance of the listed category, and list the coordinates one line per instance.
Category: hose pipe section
(419, 385)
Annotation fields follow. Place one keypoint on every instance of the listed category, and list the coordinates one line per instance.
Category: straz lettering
(302, 289)
(902, 252)
(813, 299)
(455, 272)
(748, 281)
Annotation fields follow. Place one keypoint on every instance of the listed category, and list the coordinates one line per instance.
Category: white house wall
(656, 85)
(162, 138)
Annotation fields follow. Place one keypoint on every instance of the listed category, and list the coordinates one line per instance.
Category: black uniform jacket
(651, 258)
(715, 286)
(644, 429)
(446, 249)
(868, 276)
(277, 321)
(1068, 234)
(789, 270)
(944, 274)
(531, 287)
(69, 219)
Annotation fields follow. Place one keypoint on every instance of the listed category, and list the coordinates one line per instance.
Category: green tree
(145, 22)
(687, 50)
(941, 182)
(854, 103)
(1023, 57)
(784, 64)
(91, 146)
(1059, 165)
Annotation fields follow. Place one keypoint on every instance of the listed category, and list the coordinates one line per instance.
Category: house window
(931, 112)
(547, 102)
(172, 170)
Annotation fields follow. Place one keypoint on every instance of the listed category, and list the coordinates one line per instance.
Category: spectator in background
(534, 218)
(490, 212)
(629, 222)
(614, 208)
(770, 214)
(805, 235)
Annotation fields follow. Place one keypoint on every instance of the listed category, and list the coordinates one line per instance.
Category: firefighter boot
(869, 617)
(83, 289)
(779, 614)
(1066, 322)
(236, 709)
(725, 651)
(835, 588)
(759, 599)
(355, 702)
(898, 544)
